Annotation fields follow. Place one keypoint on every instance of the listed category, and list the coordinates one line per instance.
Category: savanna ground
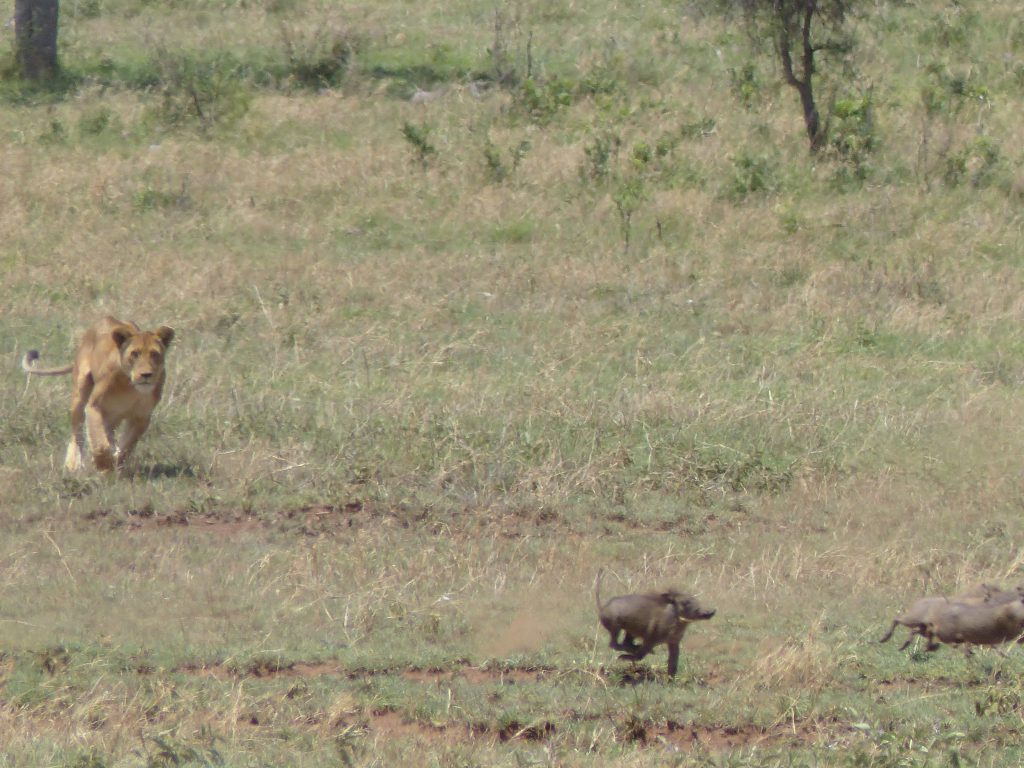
(438, 360)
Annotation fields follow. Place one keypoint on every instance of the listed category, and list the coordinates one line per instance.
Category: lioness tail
(28, 365)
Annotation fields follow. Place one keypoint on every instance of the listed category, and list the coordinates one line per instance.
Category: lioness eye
(133, 356)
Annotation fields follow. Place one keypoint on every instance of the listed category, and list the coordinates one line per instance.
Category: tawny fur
(117, 378)
(653, 618)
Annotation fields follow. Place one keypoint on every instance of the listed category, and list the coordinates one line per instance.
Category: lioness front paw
(104, 461)
(73, 458)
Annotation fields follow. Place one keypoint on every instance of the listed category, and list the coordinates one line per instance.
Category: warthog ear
(673, 598)
(166, 335)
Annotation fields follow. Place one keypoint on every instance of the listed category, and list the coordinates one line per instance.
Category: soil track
(269, 669)
(311, 520)
(318, 519)
(674, 735)
(390, 723)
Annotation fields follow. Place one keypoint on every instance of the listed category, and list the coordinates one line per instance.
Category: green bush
(746, 85)
(598, 155)
(320, 60)
(977, 163)
(852, 137)
(95, 120)
(540, 101)
(498, 169)
(418, 137)
(751, 174)
(206, 92)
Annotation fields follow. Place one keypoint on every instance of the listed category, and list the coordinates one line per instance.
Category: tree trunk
(804, 83)
(812, 119)
(35, 34)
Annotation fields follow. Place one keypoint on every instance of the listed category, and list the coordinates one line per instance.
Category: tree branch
(787, 60)
(805, 33)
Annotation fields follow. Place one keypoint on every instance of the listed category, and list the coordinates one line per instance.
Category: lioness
(118, 377)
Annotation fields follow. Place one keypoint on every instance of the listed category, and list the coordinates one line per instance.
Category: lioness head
(142, 355)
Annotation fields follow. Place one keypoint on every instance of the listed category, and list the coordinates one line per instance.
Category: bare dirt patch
(927, 684)
(680, 736)
(393, 724)
(146, 519)
(715, 737)
(479, 676)
(265, 669)
(329, 519)
(312, 520)
(269, 668)
(319, 519)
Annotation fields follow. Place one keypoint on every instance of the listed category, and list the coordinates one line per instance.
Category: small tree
(35, 35)
(798, 30)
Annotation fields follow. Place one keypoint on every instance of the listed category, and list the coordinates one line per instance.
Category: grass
(616, 317)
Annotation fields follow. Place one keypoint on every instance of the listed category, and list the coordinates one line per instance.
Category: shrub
(497, 168)
(320, 59)
(94, 121)
(976, 163)
(540, 101)
(598, 156)
(852, 137)
(751, 174)
(746, 85)
(210, 92)
(628, 196)
(418, 137)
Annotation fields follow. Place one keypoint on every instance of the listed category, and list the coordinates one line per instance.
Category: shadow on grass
(163, 471)
(76, 486)
(632, 675)
(16, 91)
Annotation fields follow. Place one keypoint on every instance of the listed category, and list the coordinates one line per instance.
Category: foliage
(498, 168)
(599, 155)
(418, 138)
(540, 100)
(949, 99)
(853, 136)
(628, 196)
(752, 173)
(976, 163)
(206, 91)
(801, 33)
(746, 85)
(319, 59)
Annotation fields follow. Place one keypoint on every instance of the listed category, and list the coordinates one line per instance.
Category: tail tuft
(28, 364)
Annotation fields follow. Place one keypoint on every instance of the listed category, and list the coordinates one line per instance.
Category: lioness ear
(166, 335)
(121, 336)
